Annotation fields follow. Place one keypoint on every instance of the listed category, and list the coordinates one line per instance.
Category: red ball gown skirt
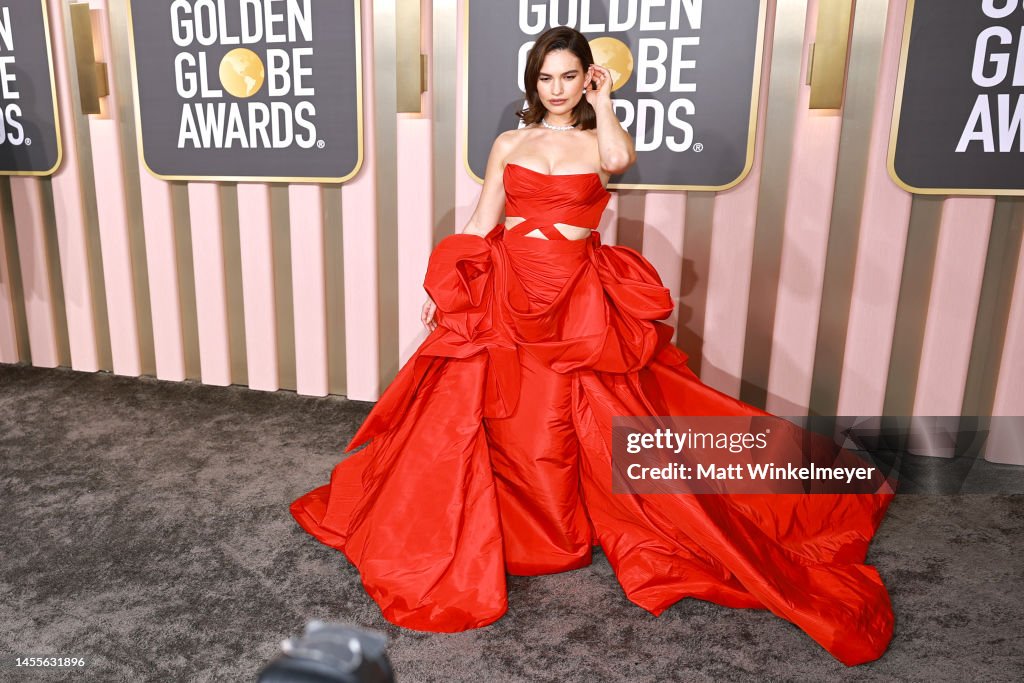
(490, 453)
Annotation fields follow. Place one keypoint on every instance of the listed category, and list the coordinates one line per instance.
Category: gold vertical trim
(334, 274)
(629, 224)
(847, 205)
(48, 235)
(55, 273)
(17, 287)
(693, 285)
(912, 307)
(780, 119)
(827, 68)
(385, 165)
(97, 278)
(444, 116)
(281, 248)
(228, 195)
(186, 280)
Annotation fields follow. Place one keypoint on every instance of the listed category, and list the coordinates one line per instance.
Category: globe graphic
(241, 72)
(615, 56)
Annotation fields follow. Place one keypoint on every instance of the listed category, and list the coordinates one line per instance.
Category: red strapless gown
(490, 453)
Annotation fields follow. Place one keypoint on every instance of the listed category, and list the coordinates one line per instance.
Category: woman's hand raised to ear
(599, 93)
(427, 316)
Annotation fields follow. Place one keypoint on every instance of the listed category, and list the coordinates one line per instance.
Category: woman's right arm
(491, 205)
(489, 208)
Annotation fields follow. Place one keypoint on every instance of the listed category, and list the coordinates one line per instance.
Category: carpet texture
(146, 528)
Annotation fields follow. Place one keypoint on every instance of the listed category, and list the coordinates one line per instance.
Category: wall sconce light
(92, 75)
(411, 64)
(826, 73)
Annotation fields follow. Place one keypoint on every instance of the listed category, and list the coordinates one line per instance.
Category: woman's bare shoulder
(511, 139)
(520, 133)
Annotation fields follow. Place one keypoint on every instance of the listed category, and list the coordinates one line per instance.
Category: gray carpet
(146, 528)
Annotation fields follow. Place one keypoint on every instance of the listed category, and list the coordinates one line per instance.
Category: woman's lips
(557, 101)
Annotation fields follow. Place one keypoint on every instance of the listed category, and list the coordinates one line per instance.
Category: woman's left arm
(614, 143)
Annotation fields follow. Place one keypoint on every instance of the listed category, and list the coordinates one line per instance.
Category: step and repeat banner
(958, 124)
(254, 90)
(29, 125)
(685, 80)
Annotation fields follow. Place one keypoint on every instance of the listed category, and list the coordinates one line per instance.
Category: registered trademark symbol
(699, 147)
(320, 144)
(28, 141)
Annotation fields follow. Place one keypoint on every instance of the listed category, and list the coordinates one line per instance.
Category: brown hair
(557, 38)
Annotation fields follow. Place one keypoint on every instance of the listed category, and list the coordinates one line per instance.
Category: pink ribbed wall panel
(415, 219)
(309, 293)
(161, 263)
(415, 232)
(663, 242)
(116, 249)
(812, 175)
(467, 190)
(8, 338)
(953, 305)
(211, 288)
(68, 193)
(885, 218)
(257, 256)
(1009, 397)
(359, 239)
(609, 228)
(1006, 442)
(732, 253)
(35, 281)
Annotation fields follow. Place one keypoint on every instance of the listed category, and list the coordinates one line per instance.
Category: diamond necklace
(545, 123)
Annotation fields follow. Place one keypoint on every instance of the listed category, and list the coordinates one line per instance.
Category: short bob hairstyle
(557, 38)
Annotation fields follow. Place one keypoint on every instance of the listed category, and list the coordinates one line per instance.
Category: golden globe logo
(215, 113)
(614, 55)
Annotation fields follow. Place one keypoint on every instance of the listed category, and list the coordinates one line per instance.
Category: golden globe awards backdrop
(29, 125)
(685, 78)
(958, 124)
(259, 90)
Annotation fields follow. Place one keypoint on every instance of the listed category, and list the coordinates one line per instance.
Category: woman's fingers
(427, 316)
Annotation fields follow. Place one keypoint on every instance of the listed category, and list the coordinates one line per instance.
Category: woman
(490, 453)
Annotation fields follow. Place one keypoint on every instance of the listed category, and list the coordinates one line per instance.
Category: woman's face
(561, 81)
